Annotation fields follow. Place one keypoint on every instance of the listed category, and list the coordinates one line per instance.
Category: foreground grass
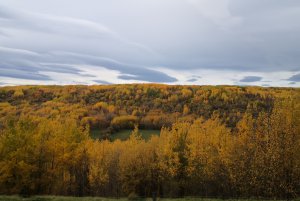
(63, 198)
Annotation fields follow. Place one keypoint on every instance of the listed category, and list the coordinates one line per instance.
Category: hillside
(151, 106)
(223, 141)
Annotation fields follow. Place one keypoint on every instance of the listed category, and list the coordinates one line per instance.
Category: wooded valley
(214, 141)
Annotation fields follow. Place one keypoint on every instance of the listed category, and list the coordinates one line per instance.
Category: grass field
(61, 198)
(124, 134)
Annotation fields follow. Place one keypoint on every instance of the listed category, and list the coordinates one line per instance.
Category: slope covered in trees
(152, 106)
(215, 141)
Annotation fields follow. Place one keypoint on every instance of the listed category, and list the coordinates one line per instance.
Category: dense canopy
(224, 141)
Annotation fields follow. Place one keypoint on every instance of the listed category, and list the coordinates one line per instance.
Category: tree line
(49, 151)
(152, 106)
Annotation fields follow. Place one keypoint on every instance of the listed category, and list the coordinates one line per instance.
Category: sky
(194, 42)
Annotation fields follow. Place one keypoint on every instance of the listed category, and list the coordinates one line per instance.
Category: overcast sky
(240, 42)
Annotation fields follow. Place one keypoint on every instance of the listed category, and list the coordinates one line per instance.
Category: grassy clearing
(95, 133)
(62, 198)
(124, 134)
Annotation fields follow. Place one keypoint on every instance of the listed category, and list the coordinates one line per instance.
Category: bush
(126, 121)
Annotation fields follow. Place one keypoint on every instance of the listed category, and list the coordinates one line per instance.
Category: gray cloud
(19, 63)
(251, 79)
(150, 76)
(138, 72)
(102, 82)
(59, 68)
(252, 36)
(295, 78)
(192, 80)
(64, 29)
(13, 73)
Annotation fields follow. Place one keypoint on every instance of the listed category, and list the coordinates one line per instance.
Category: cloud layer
(251, 79)
(170, 41)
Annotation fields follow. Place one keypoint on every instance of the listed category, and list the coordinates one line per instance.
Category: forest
(214, 141)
